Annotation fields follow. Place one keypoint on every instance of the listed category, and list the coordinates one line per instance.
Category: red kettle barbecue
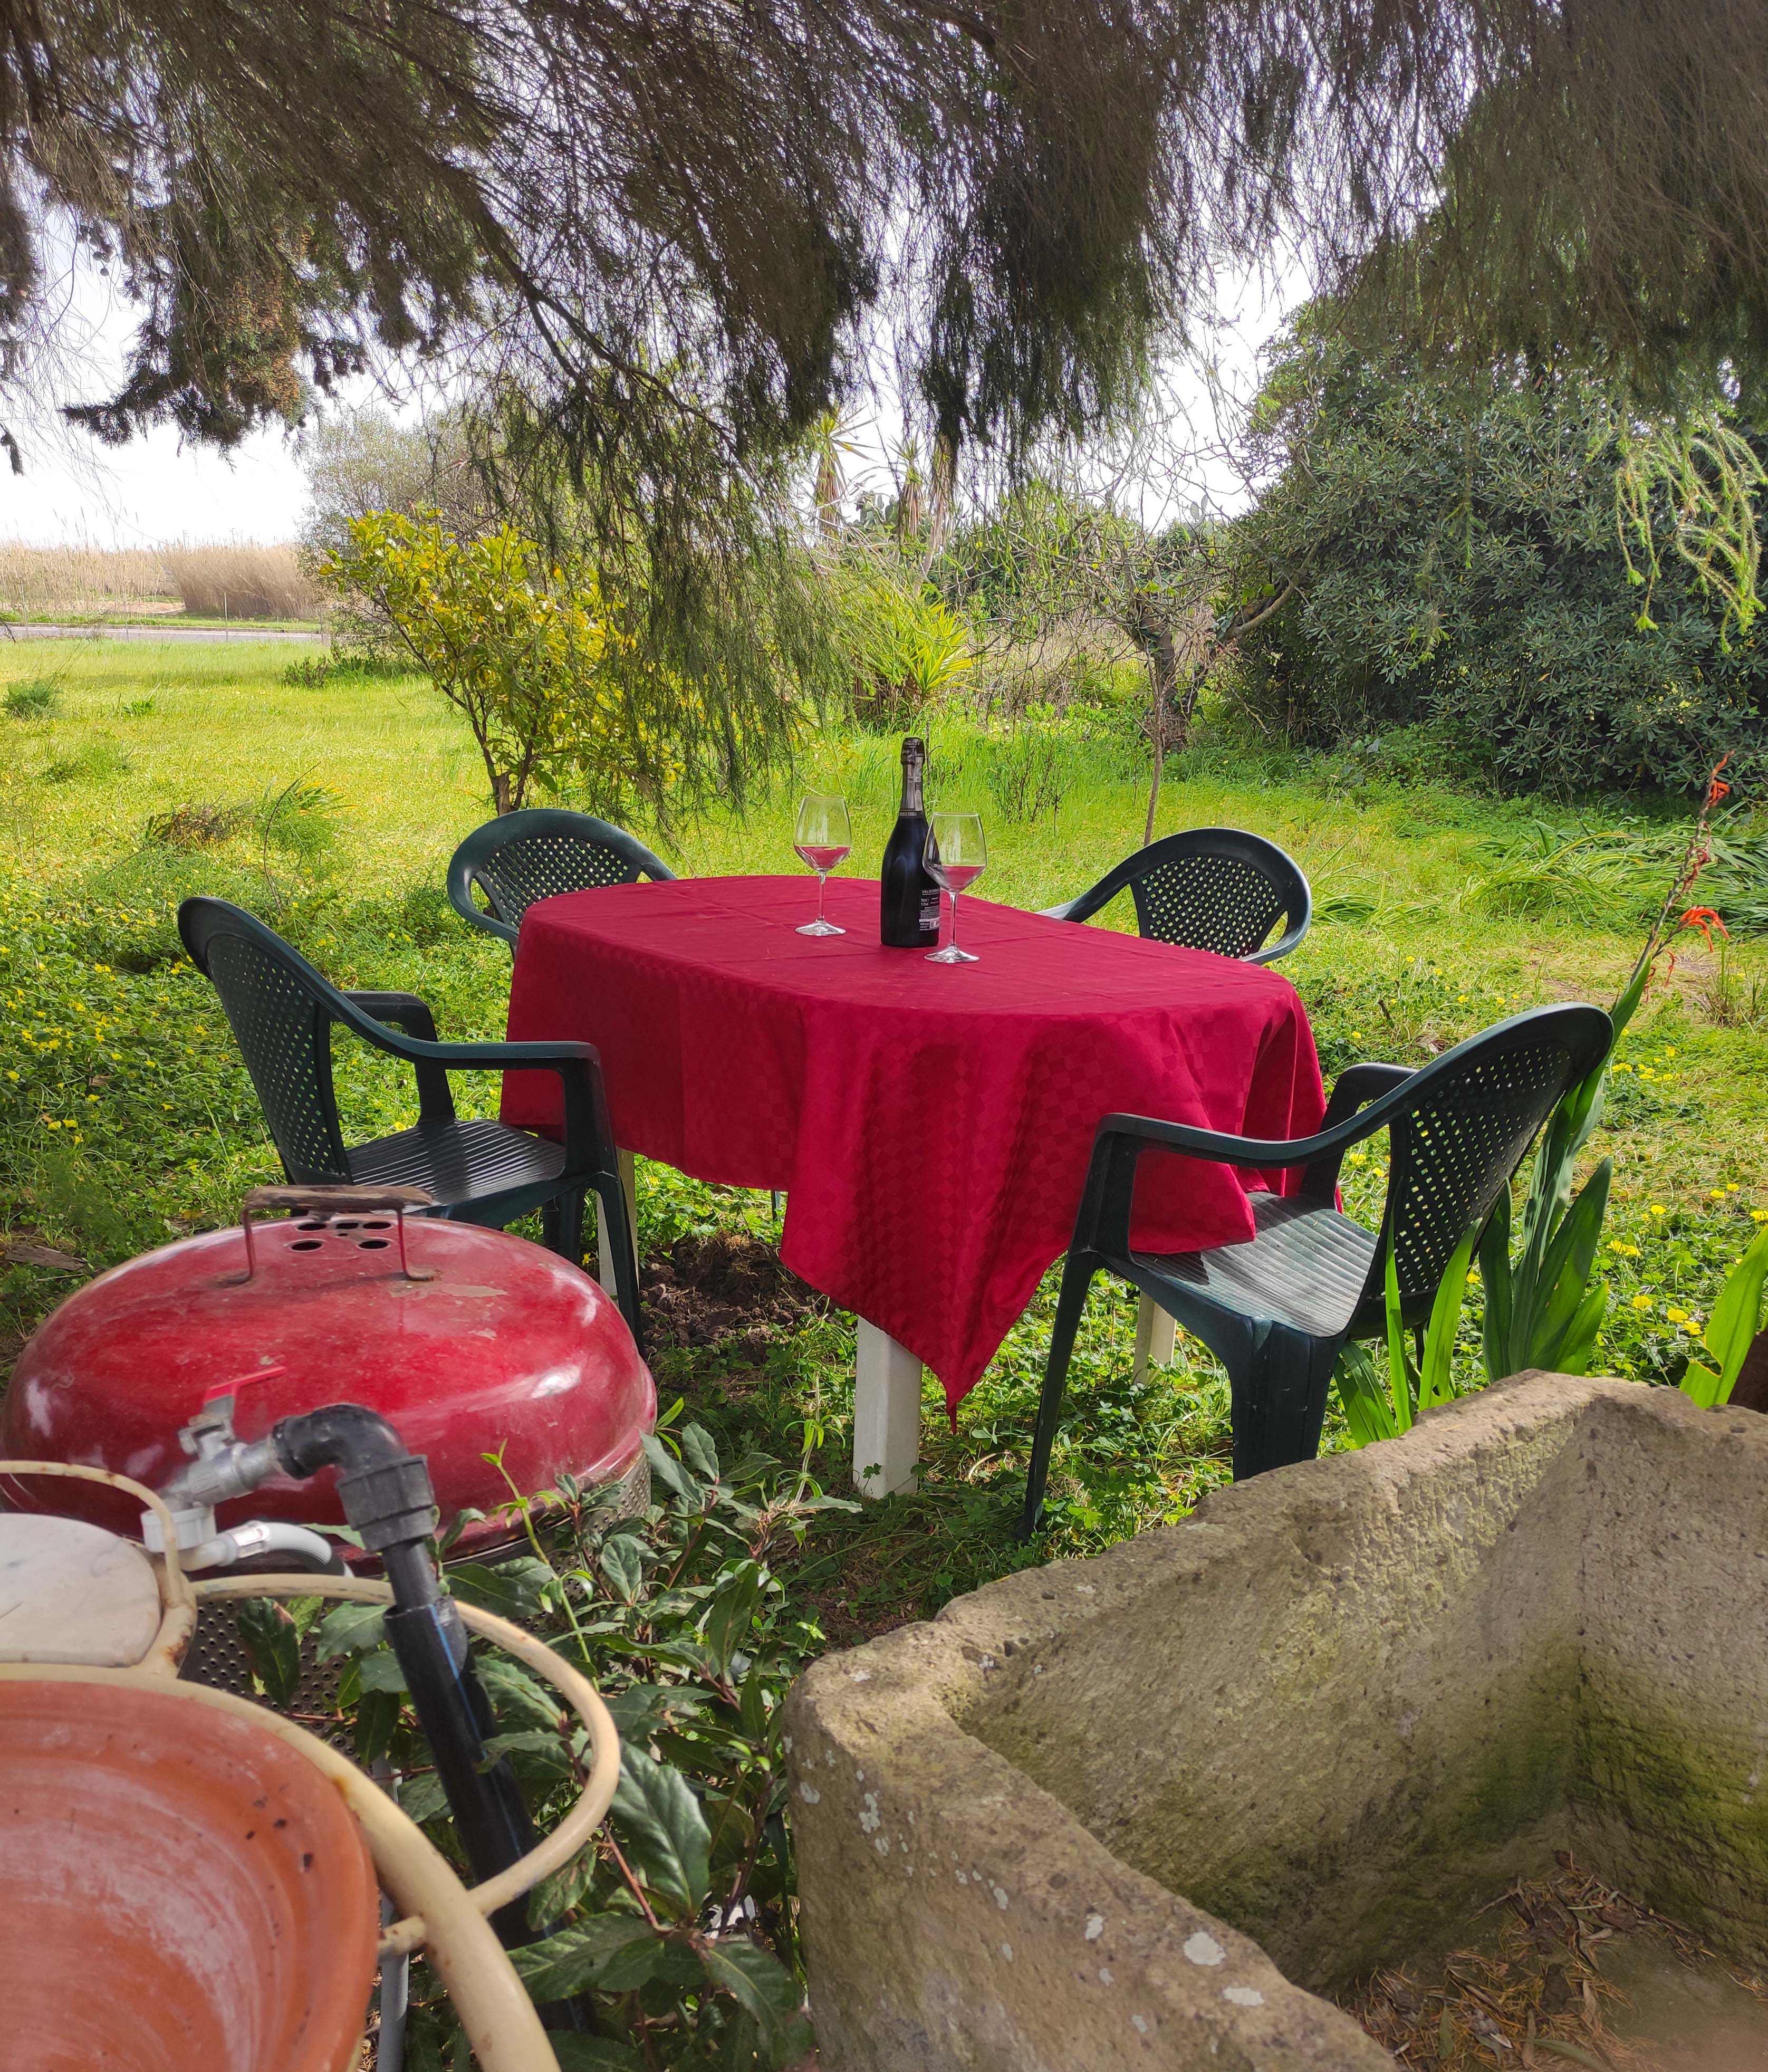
(471, 1341)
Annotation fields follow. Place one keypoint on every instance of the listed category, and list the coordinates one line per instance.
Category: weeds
(36, 698)
(98, 761)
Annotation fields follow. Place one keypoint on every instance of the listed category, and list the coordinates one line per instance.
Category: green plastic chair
(1217, 889)
(281, 1009)
(519, 858)
(1276, 1311)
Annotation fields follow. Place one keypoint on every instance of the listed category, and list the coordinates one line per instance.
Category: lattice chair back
(1217, 888)
(283, 1029)
(1210, 899)
(519, 858)
(1476, 1112)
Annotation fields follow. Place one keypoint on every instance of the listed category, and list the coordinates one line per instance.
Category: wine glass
(823, 838)
(955, 858)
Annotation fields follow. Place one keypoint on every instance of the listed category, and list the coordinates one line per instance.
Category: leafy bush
(36, 698)
(909, 649)
(525, 654)
(1458, 559)
(679, 1924)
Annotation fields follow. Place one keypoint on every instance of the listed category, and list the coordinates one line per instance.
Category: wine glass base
(951, 955)
(821, 928)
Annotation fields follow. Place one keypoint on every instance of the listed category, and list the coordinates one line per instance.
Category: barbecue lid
(469, 1342)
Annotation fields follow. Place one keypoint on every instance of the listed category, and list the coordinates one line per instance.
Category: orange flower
(1716, 791)
(1703, 919)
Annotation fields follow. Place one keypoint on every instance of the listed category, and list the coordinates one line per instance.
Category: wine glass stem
(954, 942)
(822, 891)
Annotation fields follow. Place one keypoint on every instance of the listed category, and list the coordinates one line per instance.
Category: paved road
(153, 633)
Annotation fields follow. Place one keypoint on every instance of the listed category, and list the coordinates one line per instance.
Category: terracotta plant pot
(181, 1891)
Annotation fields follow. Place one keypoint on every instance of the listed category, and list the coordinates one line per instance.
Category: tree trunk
(1163, 675)
(503, 793)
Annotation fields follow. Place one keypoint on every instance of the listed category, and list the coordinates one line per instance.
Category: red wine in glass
(956, 856)
(822, 837)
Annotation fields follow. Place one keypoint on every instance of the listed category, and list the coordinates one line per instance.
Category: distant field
(219, 582)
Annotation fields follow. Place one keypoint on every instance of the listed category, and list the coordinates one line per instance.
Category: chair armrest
(1089, 902)
(1355, 1086)
(588, 1135)
(404, 1010)
(1120, 1140)
(1283, 943)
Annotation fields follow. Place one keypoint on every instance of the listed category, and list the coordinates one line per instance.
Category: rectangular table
(929, 1124)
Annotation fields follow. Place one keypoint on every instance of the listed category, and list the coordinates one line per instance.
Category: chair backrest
(521, 858)
(1217, 889)
(277, 1006)
(1471, 1116)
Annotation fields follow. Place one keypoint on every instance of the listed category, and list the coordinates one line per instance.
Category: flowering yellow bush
(530, 659)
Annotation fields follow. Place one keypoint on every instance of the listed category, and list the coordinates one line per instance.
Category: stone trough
(1141, 1811)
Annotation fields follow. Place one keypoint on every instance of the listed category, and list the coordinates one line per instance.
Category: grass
(330, 803)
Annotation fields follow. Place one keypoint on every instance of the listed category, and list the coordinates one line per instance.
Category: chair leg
(1279, 1398)
(1076, 1279)
(610, 1194)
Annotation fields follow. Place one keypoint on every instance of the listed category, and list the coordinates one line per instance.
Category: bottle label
(930, 908)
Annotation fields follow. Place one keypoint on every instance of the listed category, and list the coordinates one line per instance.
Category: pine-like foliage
(636, 206)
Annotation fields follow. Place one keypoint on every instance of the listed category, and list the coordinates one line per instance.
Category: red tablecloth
(930, 1124)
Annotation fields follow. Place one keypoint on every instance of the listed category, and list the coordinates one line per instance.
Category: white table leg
(1156, 1336)
(886, 1414)
(604, 1249)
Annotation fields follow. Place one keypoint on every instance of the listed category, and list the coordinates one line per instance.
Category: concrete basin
(1143, 1809)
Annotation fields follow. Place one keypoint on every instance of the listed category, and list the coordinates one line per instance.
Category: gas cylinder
(470, 1341)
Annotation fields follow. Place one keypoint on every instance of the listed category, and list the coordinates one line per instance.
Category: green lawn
(125, 1117)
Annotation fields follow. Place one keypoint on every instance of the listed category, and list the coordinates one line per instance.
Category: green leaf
(1579, 1342)
(544, 1754)
(1433, 1383)
(698, 1450)
(272, 1646)
(381, 1671)
(731, 1613)
(1368, 1414)
(666, 1470)
(514, 1590)
(350, 1629)
(580, 1956)
(1495, 1279)
(422, 1797)
(556, 1896)
(1566, 1267)
(762, 1986)
(592, 2054)
(1701, 1384)
(1731, 1329)
(1398, 1365)
(664, 1830)
(516, 1695)
(377, 1721)
(625, 1571)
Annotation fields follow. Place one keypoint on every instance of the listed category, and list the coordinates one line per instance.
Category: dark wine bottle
(908, 900)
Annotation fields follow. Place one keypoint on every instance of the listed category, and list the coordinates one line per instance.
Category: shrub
(908, 648)
(1456, 559)
(35, 699)
(242, 581)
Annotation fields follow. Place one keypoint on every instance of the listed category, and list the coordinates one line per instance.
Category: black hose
(387, 1496)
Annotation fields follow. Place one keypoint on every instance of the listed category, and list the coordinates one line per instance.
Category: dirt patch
(1570, 1973)
(706, 1291)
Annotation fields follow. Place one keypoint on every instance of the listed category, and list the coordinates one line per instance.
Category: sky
(160, 489)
